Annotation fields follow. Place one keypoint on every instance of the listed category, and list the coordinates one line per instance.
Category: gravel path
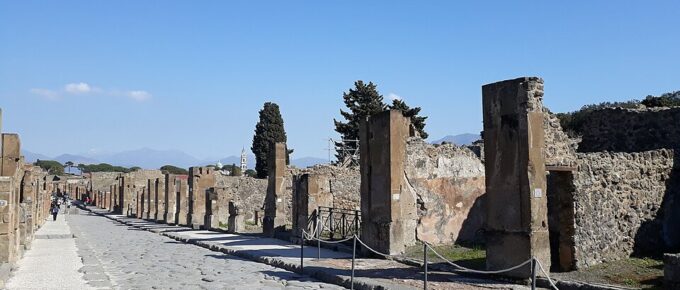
(121, 257)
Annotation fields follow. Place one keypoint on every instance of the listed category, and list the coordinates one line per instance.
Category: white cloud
(77, 88)
(49, 94)
(139, 96)
(81, 88)
(393, 96)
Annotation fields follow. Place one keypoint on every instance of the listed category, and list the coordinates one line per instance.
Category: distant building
(244, 164)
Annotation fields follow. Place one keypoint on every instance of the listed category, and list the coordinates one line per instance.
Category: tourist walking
(55, 211)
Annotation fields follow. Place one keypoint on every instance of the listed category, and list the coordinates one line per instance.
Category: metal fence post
(425, 264)
(302, 255)
(533, 273)
(354, 255)
(318, 241)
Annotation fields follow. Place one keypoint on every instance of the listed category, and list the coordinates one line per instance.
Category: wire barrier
(533, 262)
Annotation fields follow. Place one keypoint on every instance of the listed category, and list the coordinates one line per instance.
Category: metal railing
(336, 223)
(533, 262)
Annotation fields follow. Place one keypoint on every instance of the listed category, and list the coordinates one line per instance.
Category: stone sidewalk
(333, 267)
(52, 262)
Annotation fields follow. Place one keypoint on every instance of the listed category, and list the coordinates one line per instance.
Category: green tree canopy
(362, 101)
(169, 169)
(268, 130)
(235, 170)
(411, 113)
(251, 173)
(51, 166)
(103, 167)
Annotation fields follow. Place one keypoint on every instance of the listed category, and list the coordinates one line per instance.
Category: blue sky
(109, 76)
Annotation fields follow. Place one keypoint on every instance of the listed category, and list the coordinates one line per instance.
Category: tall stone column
(183, 198)
(388, 206)
(140, 203)
(150, 199)
(10, 182)
(274, 205)
(160, 200)
(200, 180)
(517, 225)
(170, 199)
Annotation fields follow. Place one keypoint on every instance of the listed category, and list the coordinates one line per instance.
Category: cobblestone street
(118, 256)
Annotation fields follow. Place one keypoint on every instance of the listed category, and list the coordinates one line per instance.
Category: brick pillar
(236, 223)
(170, 199)
(182, 214)
(150, 199)
(10, 182)
(517, 226)
(141, 195)
(388, 208)
(310, 191)
(123, 198)
(200, 179)
(274, 204)
(160, 200)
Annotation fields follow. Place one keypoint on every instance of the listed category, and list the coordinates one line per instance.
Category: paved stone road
(118, 256)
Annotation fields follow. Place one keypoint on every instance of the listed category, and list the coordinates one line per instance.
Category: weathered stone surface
(560, 149)
(449, 183)
(275, 203)
(246, 192)
(517, 228)
(617, 198)
(631, 130)
(200, 180)
(388, 203)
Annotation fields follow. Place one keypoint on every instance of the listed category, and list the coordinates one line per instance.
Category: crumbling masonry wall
(449, 183)
(246, 192)
(617, 199)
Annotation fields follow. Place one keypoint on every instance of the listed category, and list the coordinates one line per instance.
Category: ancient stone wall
(560, 149)
(631, 130)
(617, 201)
(246, 192)
(449, 183)
(102, 181)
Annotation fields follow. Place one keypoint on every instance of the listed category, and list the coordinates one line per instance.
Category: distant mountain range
(460, 139)
(152, 159)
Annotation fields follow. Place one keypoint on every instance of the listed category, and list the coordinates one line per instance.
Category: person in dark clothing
(55, 211)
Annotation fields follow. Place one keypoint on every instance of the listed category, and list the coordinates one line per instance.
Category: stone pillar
(11, 154)
(10, 157)
(211, 220)
(235, 224)
(150, 199)
(123, 196)
(310, 191)
(274, 211)
(141, 211)
(517, 226)
(182, 214)
(388, 206)
(200, 179)
(7, 244)
(29, 192)
(170, 199)
(160, 200)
